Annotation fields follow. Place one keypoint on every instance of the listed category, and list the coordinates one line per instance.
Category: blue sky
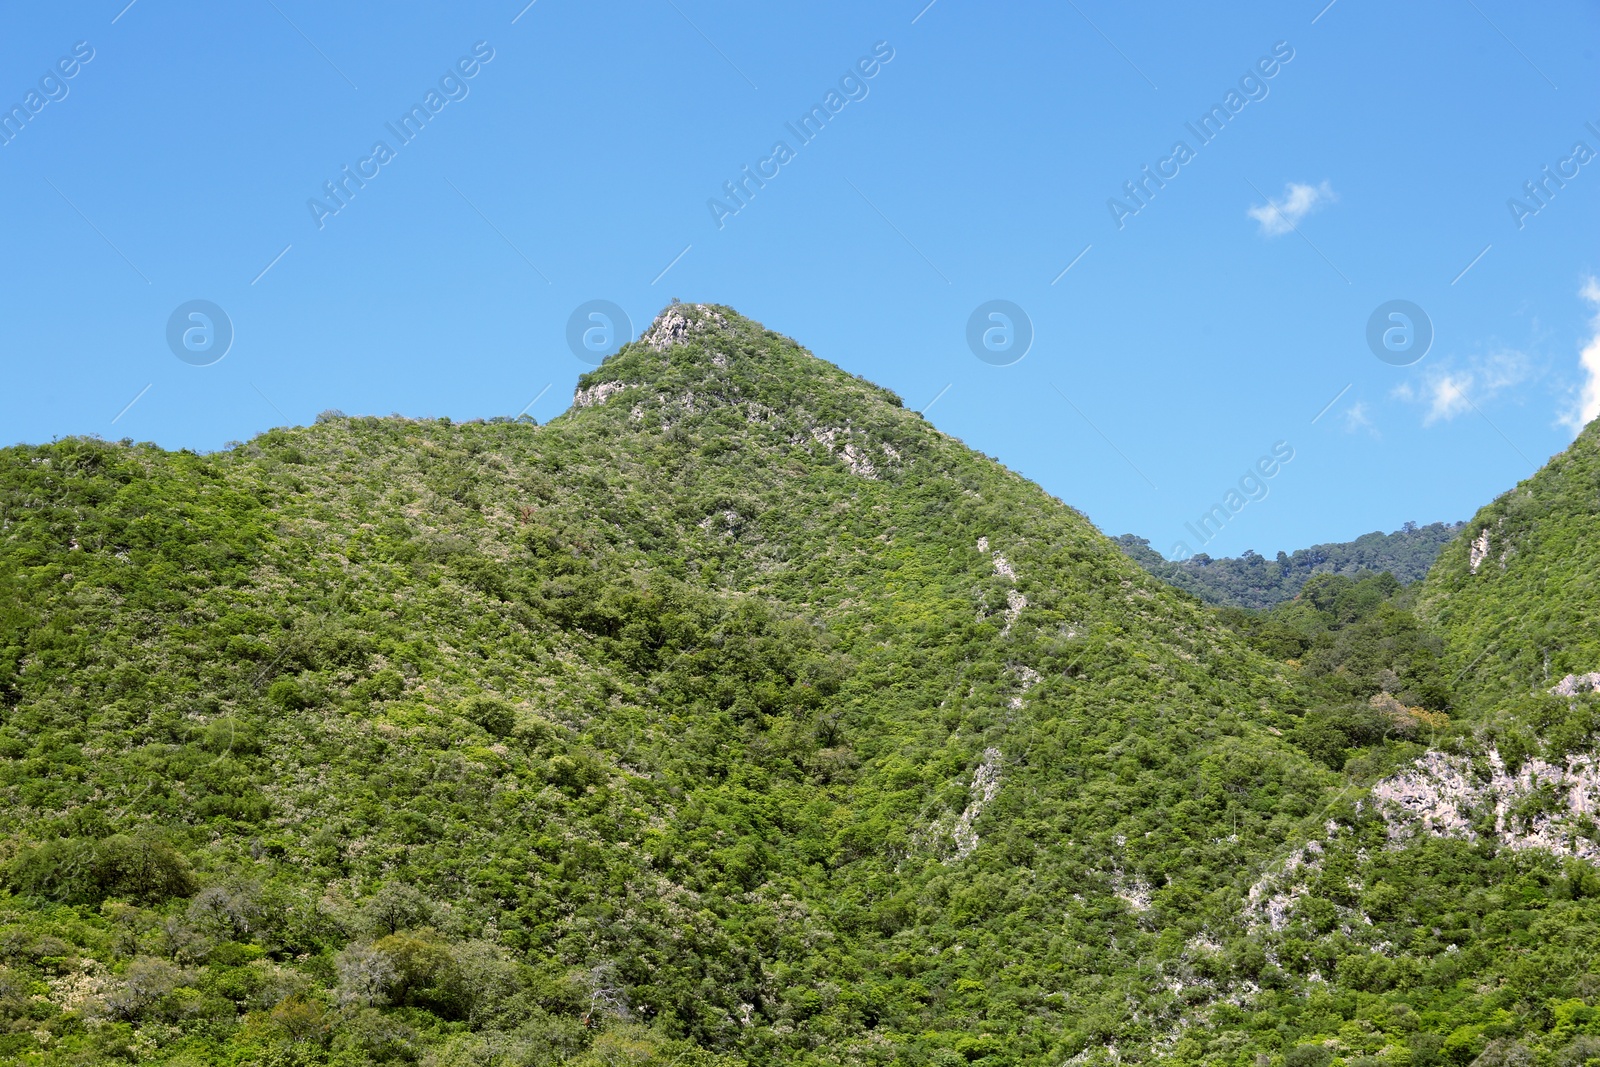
(980, 159)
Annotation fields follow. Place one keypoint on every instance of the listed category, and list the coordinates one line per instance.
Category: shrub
(143, 868)
(364, 977)
(394, 907)
(146, 981)
(495, 716)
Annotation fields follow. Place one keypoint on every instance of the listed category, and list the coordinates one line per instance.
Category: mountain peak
(697, 357)
(677, 321)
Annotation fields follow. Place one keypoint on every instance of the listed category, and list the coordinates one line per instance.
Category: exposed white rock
(854, 457)
(1479, 550)
(597, 394)
(675, 323)
(985, 785)
(727, 521)
(1275, 892)
(858, 461)
(1015, 602)
(1137, 895)
(1576, 684)
(1451, 796)
(1027, 678)
(670, 327)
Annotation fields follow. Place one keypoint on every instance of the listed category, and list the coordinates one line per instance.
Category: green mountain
(1454, 910)
(1255, 582)
(1516, 595)
(736, 716)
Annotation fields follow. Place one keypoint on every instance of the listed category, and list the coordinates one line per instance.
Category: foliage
(1523, 617)
(1369, 671)
(1255, 582)
(736, 716)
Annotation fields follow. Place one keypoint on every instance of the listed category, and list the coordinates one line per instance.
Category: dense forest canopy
(1253, 581)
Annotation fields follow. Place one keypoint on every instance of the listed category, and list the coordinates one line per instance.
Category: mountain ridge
(1254, 582)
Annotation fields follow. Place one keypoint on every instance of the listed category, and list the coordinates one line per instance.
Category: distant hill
(1255, 582)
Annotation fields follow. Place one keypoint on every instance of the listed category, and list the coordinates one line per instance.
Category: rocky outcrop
(854, 456)
(1015, 600)
(1540, 805)
(597, 394)
(1479, 550)
(674, 324)
(985, 784)
(1577, 684)
(1027, 678)
(1274, 893)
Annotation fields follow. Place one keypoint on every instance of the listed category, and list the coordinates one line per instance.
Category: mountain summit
(737, 715)
(695, 358)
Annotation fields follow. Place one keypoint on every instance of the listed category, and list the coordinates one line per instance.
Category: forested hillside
(1455, 904)
(1255, 582)
(736, 716)
(1517, 594)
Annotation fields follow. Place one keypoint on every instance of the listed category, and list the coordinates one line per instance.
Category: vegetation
(737, 716)
(1369, 672)
(1255, 582)
(1516, 595)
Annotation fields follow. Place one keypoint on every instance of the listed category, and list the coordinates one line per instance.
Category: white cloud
(1357, 418)
(1447, 397)
(1588, 406)
(1278, 217)
(1450, 391)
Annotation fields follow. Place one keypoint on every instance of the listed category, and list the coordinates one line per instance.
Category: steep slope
(1518, 595)
(738, 713)
(1252, 581)
(1453, 910)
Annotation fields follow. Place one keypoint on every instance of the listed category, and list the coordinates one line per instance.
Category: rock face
(838, 441)
(1273, 895)
(597, 394)
(1577, 684)
(1540, 805)
(985, 784)
(1015, 600)
(1479, 550)
(676, 322)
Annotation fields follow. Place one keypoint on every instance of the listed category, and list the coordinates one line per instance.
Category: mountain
(1453, 909)
(737, 715)
(1252, 581)
(1517, 594)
